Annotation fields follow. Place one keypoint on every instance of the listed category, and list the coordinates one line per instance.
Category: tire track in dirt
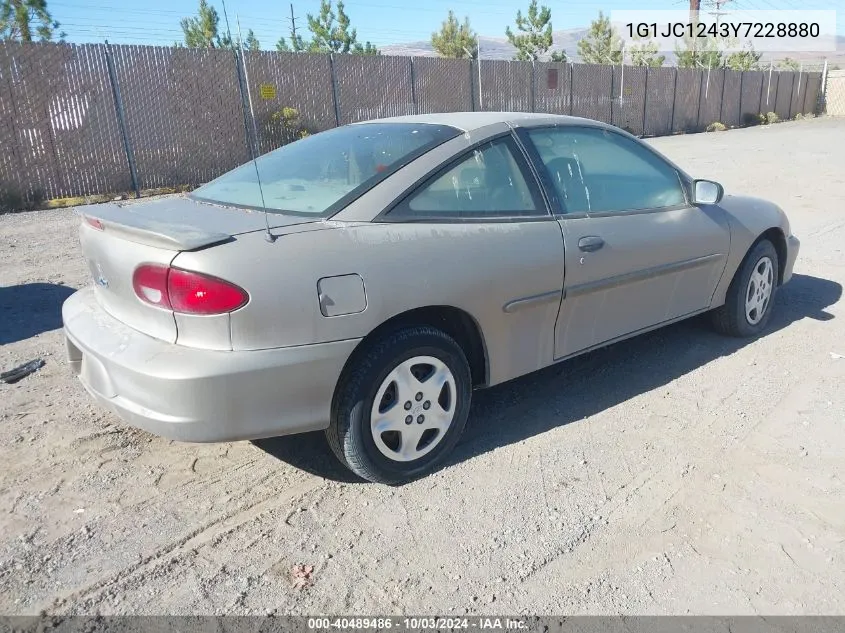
(200, 537)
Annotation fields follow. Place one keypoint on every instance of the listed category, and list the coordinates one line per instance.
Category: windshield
(320, 174)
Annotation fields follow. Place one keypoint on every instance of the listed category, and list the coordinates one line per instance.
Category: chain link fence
(834, 94)
(78, 120)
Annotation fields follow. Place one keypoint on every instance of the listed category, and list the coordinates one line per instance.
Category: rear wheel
(748, 304)
(401, 407)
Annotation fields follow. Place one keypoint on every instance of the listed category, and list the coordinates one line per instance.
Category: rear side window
(489, 181)
(319, 175)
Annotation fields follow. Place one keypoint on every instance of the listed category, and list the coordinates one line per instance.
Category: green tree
(535, 38)
(332, 33)
(558, 56)
(454, 39)
(695, 52)
(788, 64)
(645, 54)
(601, 44)
(25, 20)
(201, 30)
(297, 44)
(746, 59)
(251, 42)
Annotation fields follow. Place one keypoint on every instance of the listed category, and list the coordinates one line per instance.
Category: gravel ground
(679, 472)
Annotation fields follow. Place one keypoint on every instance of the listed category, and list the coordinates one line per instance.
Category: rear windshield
(320, 174)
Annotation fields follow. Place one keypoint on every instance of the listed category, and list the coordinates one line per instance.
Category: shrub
(288, 125)
(716, 126)
(772, 117)
(798, 117)
(12, 199)
(749, 119)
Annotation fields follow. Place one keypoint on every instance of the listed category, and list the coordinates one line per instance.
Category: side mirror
(707, 192)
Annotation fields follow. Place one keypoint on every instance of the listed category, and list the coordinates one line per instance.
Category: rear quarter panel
(475, 267)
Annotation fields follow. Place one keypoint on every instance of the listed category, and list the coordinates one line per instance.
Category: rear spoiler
(134, 227)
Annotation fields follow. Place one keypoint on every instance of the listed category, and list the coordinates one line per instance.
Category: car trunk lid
(117, 238)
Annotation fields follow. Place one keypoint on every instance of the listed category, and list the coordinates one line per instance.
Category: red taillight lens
(201, 294)
(94, 222)
(186, 291)
(150, 284)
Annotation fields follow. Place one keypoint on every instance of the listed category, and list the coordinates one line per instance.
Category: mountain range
(567, 39)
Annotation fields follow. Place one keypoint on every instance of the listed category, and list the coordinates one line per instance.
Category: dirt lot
(679, 472)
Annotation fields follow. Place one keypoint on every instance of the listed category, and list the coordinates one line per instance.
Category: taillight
(94, 222)
(150, 284)
(185, 291)
(202, 294)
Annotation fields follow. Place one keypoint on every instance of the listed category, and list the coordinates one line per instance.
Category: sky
(382, 22)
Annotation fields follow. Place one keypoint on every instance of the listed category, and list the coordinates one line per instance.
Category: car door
(477, 235)
(637, 253)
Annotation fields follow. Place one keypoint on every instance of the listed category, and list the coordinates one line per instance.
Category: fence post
(612, 81)
(334, 91)
(791, 97)
(645, 99)
(739, 104)
(769, 87)
(414, 89)
(701, 97)
(472, 86)
(121, 120)
(674, 99)
(821, 98)
(571, 90)
(533, 86)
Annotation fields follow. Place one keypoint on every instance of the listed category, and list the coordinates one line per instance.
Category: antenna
(268, 236)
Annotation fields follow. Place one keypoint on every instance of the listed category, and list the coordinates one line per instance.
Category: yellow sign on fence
(267, 91)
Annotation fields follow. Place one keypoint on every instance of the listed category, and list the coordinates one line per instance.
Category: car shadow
(585, 385)
(30, 309)
(309, 452)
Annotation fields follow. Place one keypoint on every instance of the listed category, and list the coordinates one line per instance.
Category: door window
(598, 171)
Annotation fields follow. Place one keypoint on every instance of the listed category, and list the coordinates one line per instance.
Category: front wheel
(748, 304)
(401, 407)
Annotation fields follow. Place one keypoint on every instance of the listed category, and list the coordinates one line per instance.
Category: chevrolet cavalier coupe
(365, 280)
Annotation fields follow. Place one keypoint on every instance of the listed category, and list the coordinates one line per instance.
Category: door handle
(590, 243)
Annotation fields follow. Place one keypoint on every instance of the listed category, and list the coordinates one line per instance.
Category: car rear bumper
(793, 245)
(198, 395)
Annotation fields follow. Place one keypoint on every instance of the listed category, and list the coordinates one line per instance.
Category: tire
(733, 318)
(395, 369)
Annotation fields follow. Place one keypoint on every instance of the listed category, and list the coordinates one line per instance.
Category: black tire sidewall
(353, 413)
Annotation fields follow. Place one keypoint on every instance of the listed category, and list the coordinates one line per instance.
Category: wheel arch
(778, 239)
(455, 322)
(774, 234)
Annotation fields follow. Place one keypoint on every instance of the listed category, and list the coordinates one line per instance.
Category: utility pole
(293, 40)
(718, 12)
(694, 8)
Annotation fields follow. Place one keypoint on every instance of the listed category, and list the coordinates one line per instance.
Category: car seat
(568, 178)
